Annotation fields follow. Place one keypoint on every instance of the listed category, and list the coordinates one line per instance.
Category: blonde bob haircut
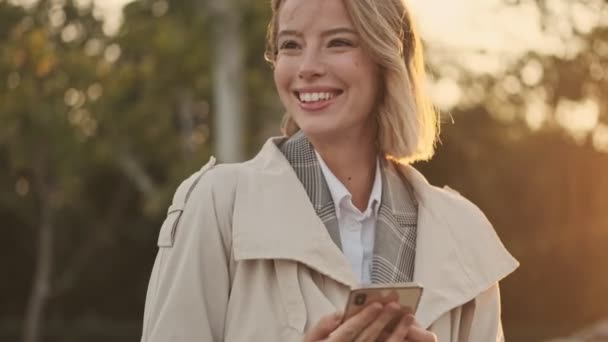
(408, 123)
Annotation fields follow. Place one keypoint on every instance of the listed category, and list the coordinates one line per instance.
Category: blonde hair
(408, 123)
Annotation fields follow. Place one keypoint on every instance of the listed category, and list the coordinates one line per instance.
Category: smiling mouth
(314, 97)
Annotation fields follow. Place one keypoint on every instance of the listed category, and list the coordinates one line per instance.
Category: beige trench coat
(244, 257)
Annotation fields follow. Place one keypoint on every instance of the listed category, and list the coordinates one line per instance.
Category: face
(325, 78)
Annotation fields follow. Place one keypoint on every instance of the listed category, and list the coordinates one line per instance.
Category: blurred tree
(47, 126)
(97, 132)
(229, 75)
(529, 147)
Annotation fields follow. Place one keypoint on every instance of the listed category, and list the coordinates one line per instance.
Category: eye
(340, 42)
(288, 45)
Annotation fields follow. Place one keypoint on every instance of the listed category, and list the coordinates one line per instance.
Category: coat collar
(395, 233)
(275, 219)
(458, 253)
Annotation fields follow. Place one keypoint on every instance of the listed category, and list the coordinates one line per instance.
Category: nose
(311, 66)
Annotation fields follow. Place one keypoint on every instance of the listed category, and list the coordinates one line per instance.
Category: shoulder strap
(180, 198)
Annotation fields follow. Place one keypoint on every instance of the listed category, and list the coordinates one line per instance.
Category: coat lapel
(423, 234)
(395, 234)
(275, 219)
(458, 253)
(301, 155)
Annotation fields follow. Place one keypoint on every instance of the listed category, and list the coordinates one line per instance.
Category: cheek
(283, 73)
(368, 81)
(278, 76)
(282, 81)
(361, 68)
(365, 75)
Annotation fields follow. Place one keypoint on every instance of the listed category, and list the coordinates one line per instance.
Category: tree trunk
(41, 288)
(137, 174)
(228, 80)
(185, 115)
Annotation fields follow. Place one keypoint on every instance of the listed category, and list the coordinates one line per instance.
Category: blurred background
(105, 106)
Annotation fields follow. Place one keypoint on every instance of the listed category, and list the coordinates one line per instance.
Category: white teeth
(314, 97)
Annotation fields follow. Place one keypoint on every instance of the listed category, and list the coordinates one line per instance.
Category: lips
(316, 101)
(316, 98)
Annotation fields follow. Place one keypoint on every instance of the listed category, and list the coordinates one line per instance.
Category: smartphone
(406, 294)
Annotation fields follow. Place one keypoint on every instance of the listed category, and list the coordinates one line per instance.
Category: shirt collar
(339, 192)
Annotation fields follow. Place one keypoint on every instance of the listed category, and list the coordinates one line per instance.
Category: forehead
(309, 14)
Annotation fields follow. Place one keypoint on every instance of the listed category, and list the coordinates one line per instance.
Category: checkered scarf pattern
(395, 234)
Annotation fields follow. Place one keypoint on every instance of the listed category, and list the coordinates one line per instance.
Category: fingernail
(408, 319)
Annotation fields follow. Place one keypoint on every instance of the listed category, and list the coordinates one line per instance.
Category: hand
(367, 325)
(414, 332)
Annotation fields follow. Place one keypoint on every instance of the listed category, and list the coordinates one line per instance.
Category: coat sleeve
(484, 317)
(188, 291)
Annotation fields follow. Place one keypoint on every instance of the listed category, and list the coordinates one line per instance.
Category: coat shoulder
(207, 193)
(465, 208)
(480, 247)
(213, 181)
(467, 221)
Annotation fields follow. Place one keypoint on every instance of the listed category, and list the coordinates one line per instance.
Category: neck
(353, 162)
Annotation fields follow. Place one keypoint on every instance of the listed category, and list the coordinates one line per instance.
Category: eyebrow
(323, 34)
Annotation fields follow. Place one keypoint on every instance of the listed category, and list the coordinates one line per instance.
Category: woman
(267, 250)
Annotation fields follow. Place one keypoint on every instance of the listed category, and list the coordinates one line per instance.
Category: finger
(392, 296)
(384, 336)
(354, 325)
(373, 331)
(324, 327)
(418, 334)
(402, 329)
(407, 310)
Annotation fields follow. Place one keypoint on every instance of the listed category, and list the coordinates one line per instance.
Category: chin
(318, 130)
(326, 126)
(315, 131)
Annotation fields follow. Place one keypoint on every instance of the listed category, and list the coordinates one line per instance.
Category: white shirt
(356, 227)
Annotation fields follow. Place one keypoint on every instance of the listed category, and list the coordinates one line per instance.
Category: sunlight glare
(112, 53)
(600, 138)
(446, 93)
(578, 117)
(532, 73)
(584, 17)
(537, 109)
